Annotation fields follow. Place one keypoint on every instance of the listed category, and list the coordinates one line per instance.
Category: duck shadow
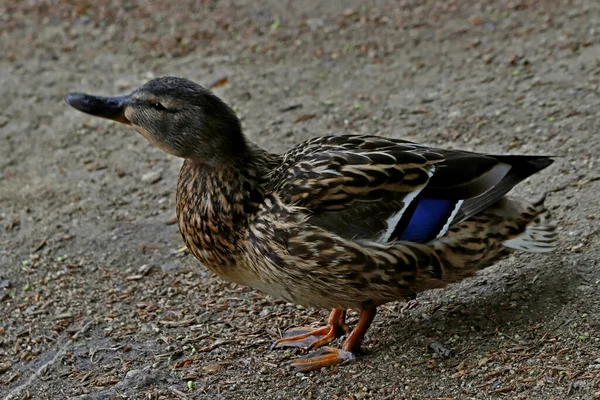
(502, 297)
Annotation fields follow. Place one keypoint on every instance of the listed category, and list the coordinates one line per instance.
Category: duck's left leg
(328, 356)
(313, 338)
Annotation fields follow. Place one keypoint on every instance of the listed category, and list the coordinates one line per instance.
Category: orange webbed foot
(324, 357)
(305, 337)
(328, 356)
(313, 338)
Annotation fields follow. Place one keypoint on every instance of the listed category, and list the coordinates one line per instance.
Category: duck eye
(158, 106)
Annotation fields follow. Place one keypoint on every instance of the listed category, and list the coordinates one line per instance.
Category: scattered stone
(265, 312)
(151, 177)
(204, 317)
(5, 366)
(144, 269)
(138, 378)
(577, 248)
(439, 348)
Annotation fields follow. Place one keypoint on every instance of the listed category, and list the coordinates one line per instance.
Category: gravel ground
(99, 300)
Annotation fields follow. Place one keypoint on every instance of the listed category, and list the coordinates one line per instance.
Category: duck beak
(104, 107)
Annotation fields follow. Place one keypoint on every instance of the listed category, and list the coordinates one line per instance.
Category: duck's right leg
(313, 338)
(328, 356)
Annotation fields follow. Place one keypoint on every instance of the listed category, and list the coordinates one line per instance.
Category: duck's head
(176, 115)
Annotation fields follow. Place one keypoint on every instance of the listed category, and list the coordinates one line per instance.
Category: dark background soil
(99, 300)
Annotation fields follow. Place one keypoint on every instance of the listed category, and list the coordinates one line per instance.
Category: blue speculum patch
(427, 220)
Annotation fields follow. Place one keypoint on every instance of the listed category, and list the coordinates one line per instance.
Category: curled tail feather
(540, 234)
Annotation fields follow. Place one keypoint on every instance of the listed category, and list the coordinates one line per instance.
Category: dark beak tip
(72, 96)
(104, 107)
(76, 100)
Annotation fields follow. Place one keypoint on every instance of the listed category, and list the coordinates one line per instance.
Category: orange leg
(329, 356)
(313, 338)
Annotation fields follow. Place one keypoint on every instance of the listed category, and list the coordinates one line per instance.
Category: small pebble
(5, 366)
(151, 177)
(204, 317)
(577, 247)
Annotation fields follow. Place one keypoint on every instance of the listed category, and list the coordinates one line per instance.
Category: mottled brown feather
(254, 224)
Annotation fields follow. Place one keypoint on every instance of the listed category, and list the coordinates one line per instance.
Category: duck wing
(368, 187)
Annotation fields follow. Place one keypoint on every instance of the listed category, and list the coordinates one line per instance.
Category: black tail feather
(526, 166)
(522, 167)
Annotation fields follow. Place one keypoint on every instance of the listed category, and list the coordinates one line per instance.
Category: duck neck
(215, 203)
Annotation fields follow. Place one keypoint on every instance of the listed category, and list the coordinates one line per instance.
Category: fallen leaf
(212, 368)
(304, 117)
(219, 82)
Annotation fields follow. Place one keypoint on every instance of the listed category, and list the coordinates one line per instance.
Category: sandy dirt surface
(98, 299)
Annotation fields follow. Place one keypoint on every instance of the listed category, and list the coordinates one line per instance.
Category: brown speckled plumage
(253, 233)
(328, 224)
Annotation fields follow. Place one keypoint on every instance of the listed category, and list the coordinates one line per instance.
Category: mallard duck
(337, 222)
